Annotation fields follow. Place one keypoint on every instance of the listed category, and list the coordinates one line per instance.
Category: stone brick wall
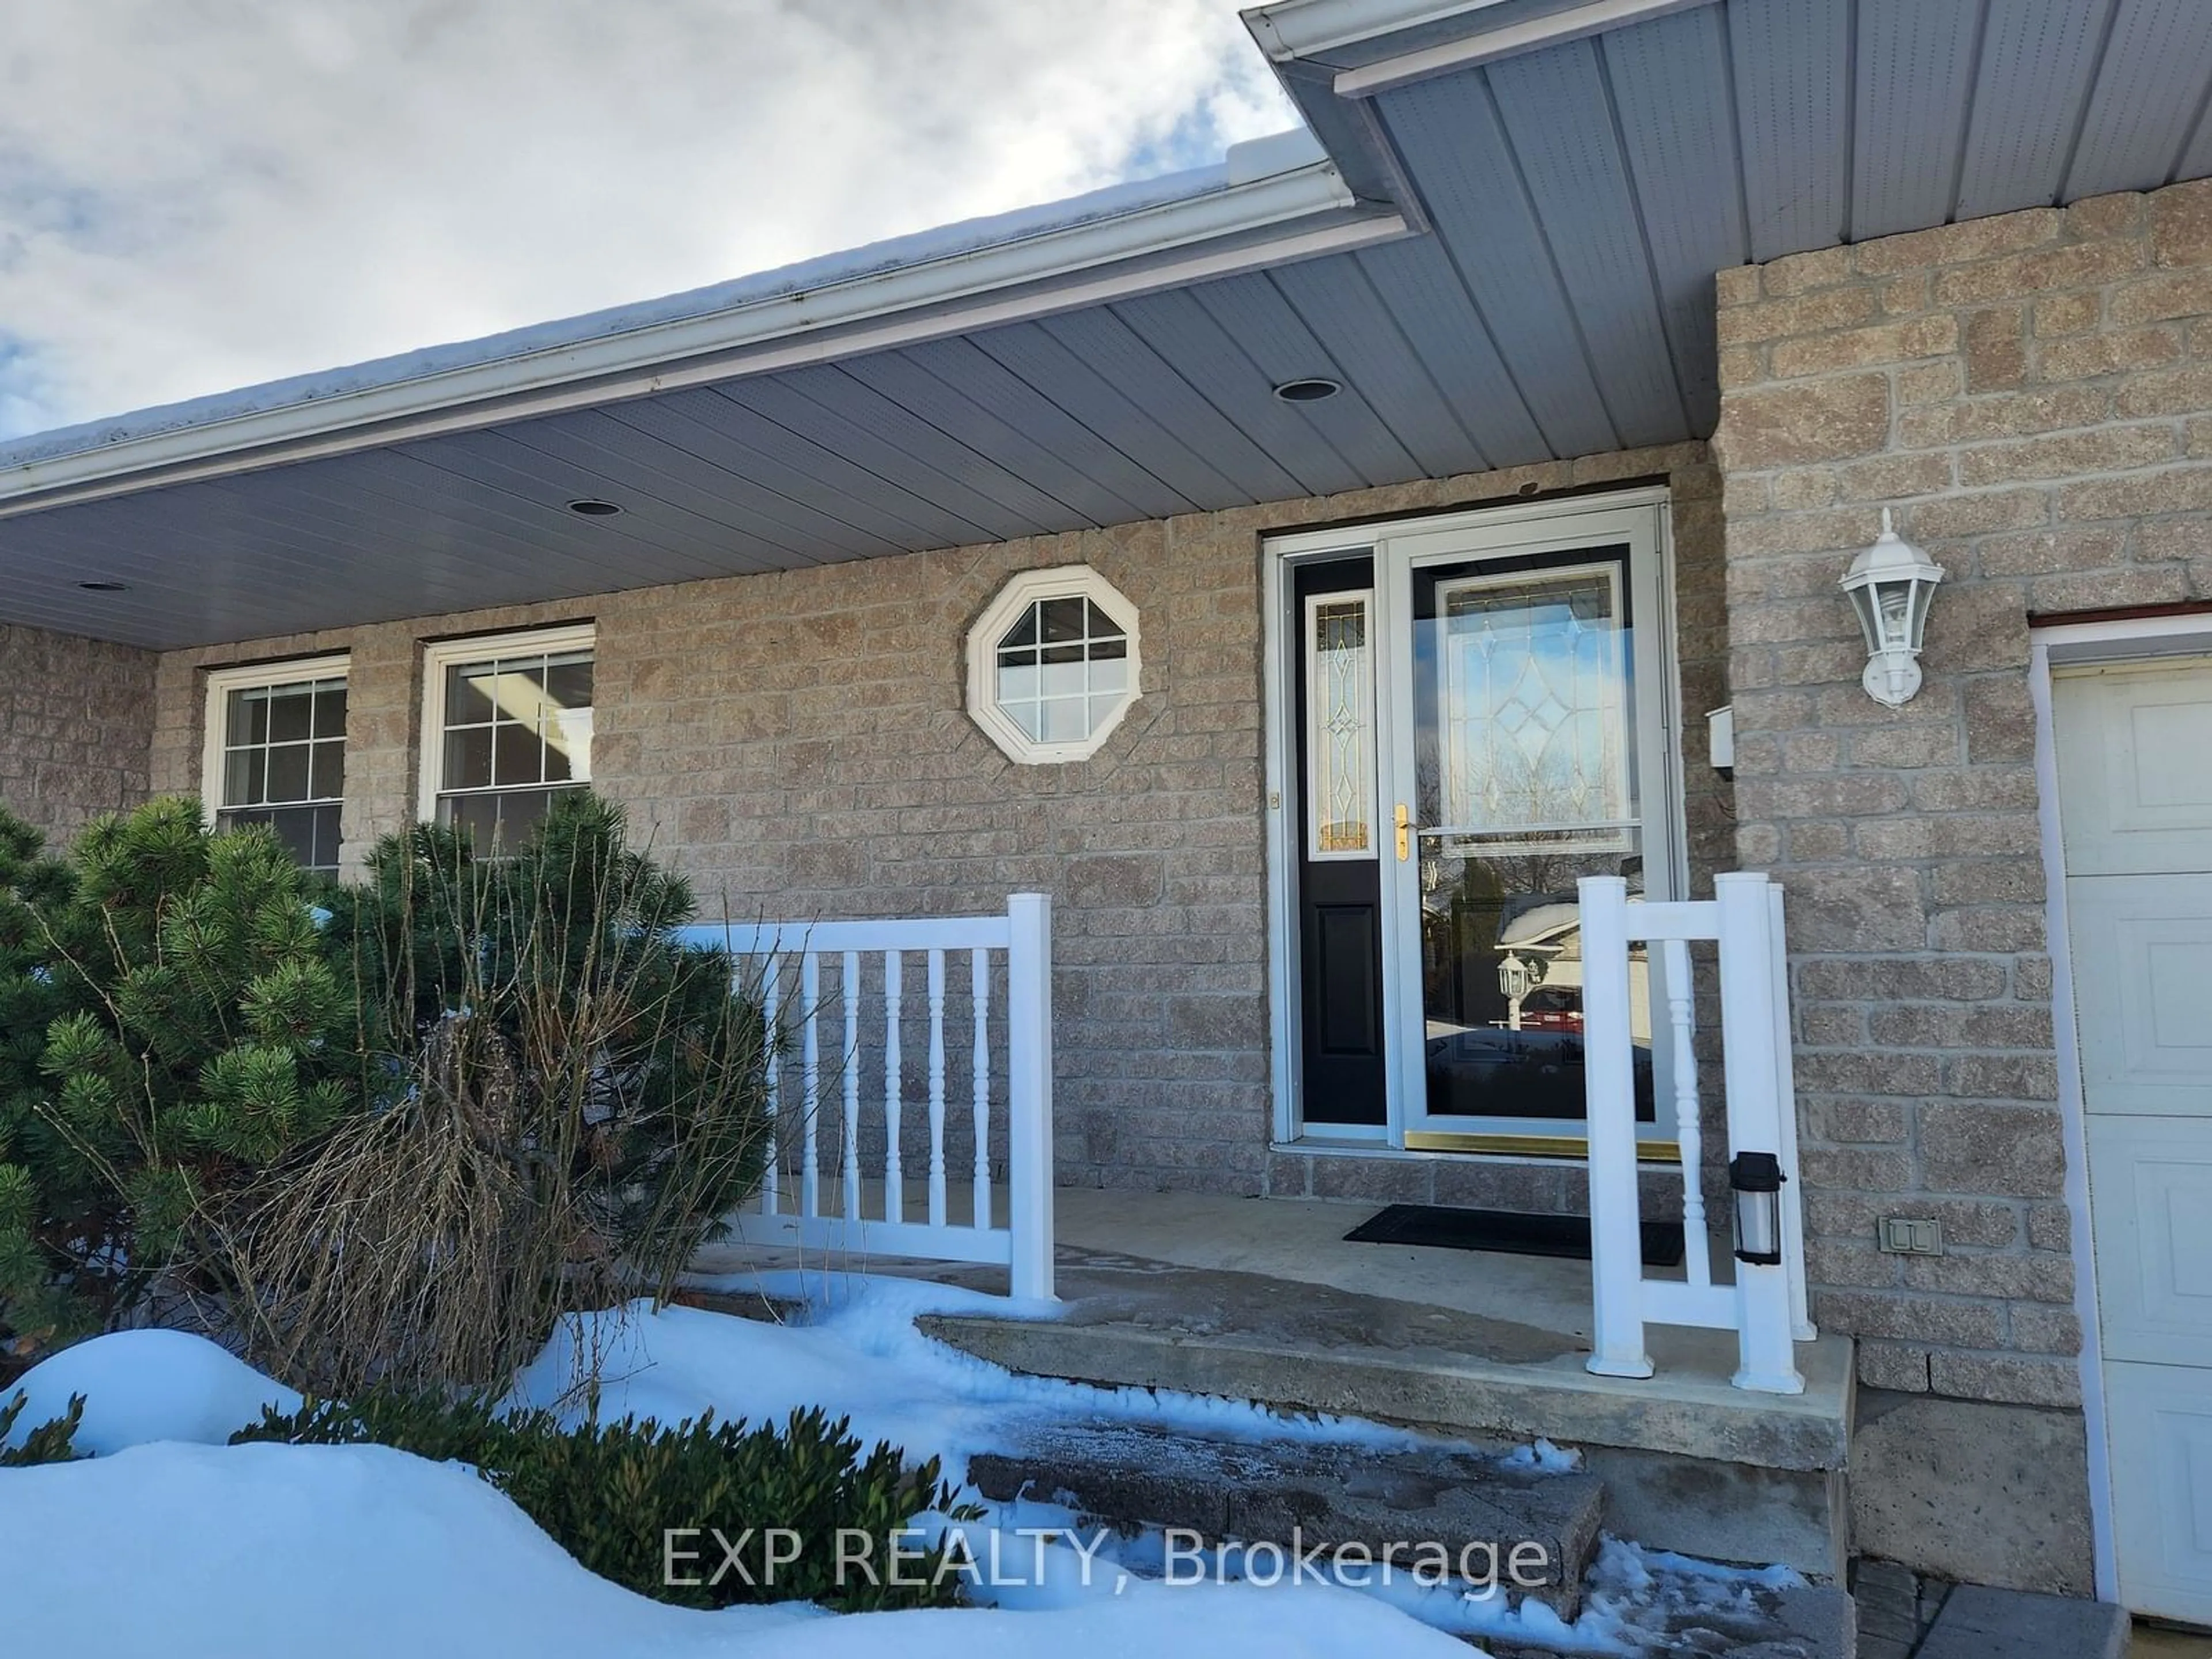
(797, 743)
(77, 717)
(2031, 394)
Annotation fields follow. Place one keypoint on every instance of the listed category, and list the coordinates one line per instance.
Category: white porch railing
(1767, 1304)
(840, 996)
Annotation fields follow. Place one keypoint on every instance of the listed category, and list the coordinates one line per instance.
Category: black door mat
(1507, 1232)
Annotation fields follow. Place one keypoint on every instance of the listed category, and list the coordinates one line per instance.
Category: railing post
(1768, 1364)
(1785, 1092)
(1609, 1083)
(1028, 1092)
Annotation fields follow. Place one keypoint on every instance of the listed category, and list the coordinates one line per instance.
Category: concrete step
(1529, 1531)
(1691, 1463)
(1800, 1621)
(1311, 1500)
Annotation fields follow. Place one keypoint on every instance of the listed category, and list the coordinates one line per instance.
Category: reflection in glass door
(1528, 755)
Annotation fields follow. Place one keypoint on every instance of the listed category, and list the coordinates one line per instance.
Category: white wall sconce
(1890, 584)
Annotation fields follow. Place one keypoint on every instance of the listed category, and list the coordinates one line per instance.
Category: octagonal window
(1052, 665)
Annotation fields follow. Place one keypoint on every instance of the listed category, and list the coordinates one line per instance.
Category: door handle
(1404, 833)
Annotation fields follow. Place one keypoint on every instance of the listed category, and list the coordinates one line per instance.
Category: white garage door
(2134, 764)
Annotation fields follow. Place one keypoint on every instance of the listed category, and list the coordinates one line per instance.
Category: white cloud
(200, 194)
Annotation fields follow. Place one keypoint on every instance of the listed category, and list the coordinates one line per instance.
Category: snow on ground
(859, 1354)
(171, 1550)
(163, 1546)
(147, 1385)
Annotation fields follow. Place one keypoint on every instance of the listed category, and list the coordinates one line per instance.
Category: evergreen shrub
(611, 1493)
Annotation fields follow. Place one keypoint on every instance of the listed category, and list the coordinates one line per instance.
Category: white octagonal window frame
(1021, 593)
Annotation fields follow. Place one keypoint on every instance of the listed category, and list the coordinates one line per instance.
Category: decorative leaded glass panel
(1535, 712)
(1340, 730)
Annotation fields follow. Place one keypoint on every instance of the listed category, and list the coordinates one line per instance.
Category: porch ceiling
(1579, 198)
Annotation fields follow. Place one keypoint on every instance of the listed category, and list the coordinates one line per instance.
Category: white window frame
(439, 655)
(1022, 590)
(221, 681)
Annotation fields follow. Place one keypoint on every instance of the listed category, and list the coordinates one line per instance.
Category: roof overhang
(1273, 200)
(1498, 238)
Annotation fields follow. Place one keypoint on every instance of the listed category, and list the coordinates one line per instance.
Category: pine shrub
(50, 1443)
(169, 1029)
(387, 1131)
(564, 1103)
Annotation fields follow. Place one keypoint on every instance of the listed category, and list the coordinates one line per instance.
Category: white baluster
(772, 1022)
(1609, 1081)
(978, 980)
(1689, 1126)
(894, 1084)
(937, 1087)
(809, 1067)
(850, 1163)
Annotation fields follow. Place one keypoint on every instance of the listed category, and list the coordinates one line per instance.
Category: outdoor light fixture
(591, 508)
(1310, 390)
(1756, 1179)
(1890, 584)
(1514, 979)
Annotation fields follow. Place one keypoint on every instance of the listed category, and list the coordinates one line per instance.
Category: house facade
(1308, 710)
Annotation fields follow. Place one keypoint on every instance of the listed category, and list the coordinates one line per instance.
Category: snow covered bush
(170, 1029)
(611, 1494)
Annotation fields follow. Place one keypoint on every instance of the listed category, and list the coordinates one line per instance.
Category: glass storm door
(1528, 747)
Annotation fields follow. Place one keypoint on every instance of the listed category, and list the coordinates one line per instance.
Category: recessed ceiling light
(1310, 390)
(104, 587)
(592, 508)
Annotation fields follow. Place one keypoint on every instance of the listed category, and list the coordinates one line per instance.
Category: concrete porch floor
(1264, 1300)
(1299, 1240)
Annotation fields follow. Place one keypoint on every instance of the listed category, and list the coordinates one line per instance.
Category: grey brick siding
(2031, 392)
(76, 720)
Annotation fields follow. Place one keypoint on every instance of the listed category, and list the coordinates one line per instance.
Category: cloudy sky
(200, 194)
